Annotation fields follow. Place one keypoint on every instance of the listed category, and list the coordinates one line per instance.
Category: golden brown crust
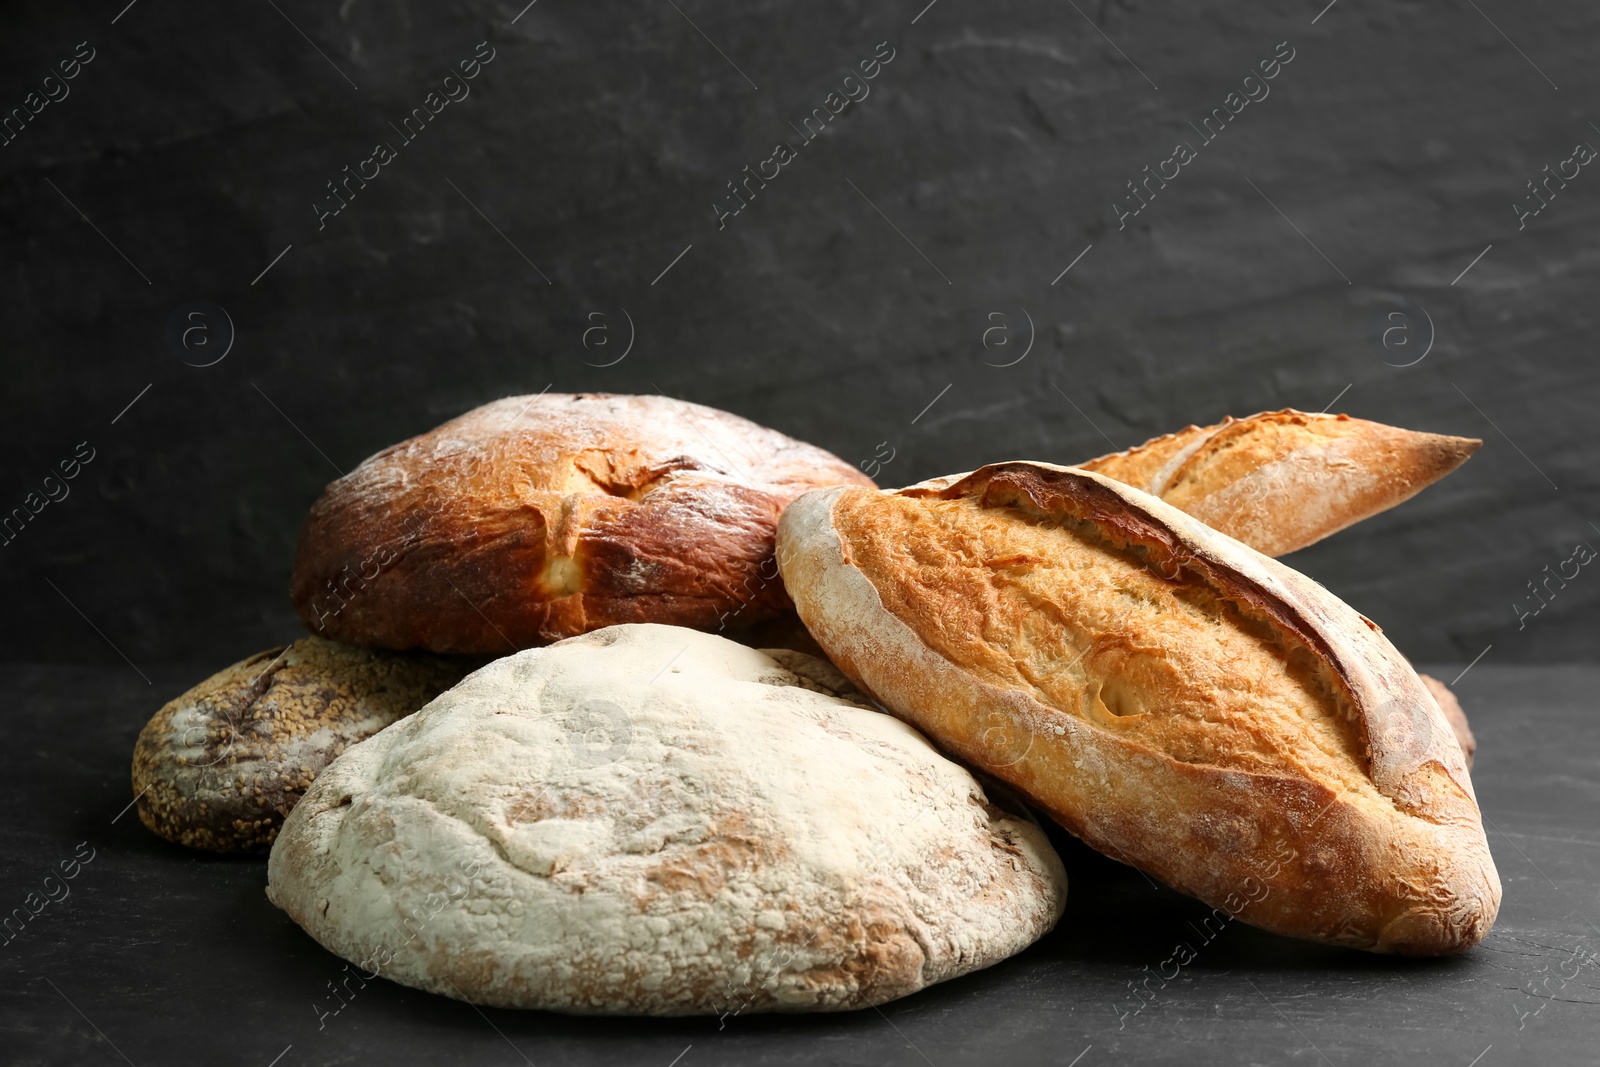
(1282, 480)
(220, 766)
(1174, 698)
(536, 518)
(1453, 715)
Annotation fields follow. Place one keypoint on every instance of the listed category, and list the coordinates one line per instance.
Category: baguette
(1176, 699)
(1282, 480)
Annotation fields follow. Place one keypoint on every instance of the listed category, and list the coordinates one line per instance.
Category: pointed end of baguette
(1431, 456)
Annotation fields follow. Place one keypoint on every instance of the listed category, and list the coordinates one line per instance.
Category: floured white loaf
(652, 820)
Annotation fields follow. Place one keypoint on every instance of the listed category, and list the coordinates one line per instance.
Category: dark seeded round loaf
(219, 767)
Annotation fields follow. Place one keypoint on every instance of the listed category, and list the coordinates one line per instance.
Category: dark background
(596, 141)
(847, 305)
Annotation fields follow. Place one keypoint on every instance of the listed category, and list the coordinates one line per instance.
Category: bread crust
(1282, 480)
(536, 518)
(220, 766)
(1381, 848)
(1453, 715)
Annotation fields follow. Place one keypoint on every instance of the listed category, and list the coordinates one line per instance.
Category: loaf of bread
(652, 820)
(1176, 699)
(1282, 480)
(219, 767)
(536, 518)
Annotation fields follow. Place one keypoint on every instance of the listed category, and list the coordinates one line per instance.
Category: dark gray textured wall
(853, 292)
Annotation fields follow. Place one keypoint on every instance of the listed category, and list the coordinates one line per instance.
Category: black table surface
(158, 955)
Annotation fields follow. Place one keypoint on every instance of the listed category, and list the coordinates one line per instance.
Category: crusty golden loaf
(536, 518)
(1173, 697)
(1282, 480)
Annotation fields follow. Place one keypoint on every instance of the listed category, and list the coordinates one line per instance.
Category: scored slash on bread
(1282, 480)
(1173, 697)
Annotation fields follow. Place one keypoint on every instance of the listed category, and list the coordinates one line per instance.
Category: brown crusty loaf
(1453, 715)
(219, 767)
(1282, 480)
(1176, 699)
(536, 518)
